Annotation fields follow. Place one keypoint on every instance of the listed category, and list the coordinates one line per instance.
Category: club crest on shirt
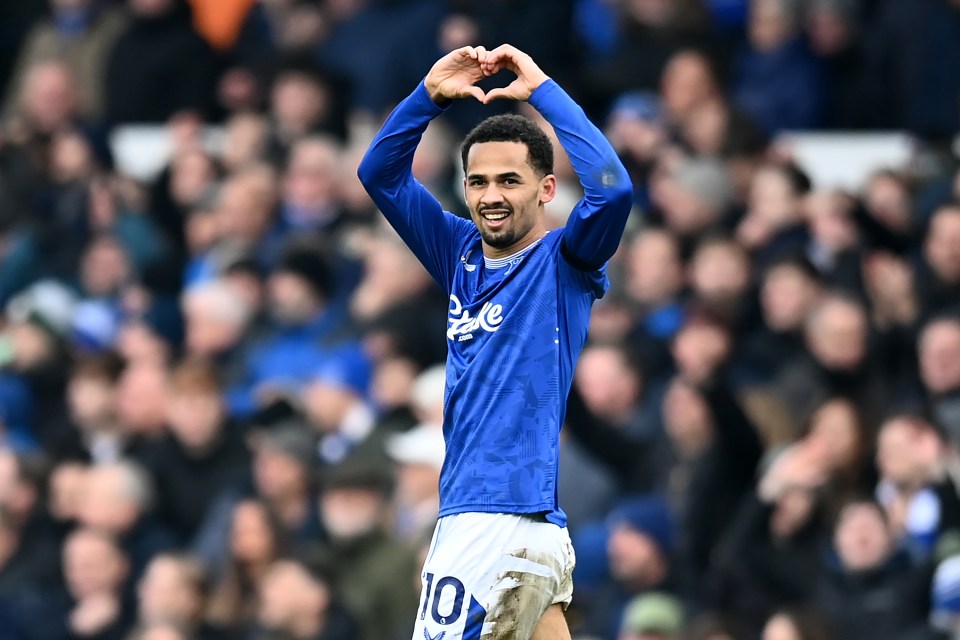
(462, 325)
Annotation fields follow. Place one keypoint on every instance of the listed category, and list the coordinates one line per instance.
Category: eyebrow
(500, 176)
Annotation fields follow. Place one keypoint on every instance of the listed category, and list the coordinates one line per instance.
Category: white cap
(421, 445)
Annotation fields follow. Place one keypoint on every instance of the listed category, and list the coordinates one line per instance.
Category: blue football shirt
(516, 325)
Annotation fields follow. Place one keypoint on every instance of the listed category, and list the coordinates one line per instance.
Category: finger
(476, 92)
(482, 54)
(496, 94)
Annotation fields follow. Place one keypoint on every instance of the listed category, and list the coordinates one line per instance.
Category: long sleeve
(386, 173)
(596, 224)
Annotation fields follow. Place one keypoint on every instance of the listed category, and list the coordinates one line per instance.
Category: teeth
(495, 216)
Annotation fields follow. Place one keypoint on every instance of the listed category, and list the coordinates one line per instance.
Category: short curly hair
(513, 128)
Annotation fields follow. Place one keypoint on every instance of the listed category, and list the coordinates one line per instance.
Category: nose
(491, 195)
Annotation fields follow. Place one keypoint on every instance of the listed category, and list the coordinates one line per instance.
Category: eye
(475, 182)
(511, 181)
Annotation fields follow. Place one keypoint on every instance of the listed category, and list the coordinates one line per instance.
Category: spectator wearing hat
(418, 455)
(693, 196)
(374, 568)
(639, 538)
(202, 455)
(652, 616)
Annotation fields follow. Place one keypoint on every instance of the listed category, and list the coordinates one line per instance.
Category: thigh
(552, 625)
(492, 577)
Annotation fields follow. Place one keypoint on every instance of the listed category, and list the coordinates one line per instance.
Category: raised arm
(596, 224)
(386, 169)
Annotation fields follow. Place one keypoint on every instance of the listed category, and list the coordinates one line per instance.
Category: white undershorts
(492, 576)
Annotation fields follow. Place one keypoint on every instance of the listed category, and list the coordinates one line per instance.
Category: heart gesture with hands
(456, 74)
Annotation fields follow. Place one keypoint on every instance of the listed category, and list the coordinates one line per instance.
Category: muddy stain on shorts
(523, 598)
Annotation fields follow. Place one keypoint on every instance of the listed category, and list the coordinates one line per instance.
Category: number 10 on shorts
(431, 599)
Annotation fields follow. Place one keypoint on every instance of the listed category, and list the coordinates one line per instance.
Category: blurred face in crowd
(107, 502)
(634, 558)
(940, 356)
(687, 83)
(786, 296)
(773, 198)
(907, 452)
(887, 199)
(654, 268)
(350, 512)
(141, 394)
(195, 417)
(830, 221)
(32, 346)
(862, 538)
(252, 539)
(246, 206)
(105, 268)
(92, 565)
(392, 381)
(215, 319)
(191, 174)
(49, 96)
(312, 176)
(687, 419)
(942, 246)
(245, 140)
(770, 25)
(328, 403)
(298, 102)
(609, 385)
(835, 431)
(720, 272)
(277, 474)
(837, 334)
(167, 592)
(830, 31)
(289, 595)
(291, 299)
(91, 401)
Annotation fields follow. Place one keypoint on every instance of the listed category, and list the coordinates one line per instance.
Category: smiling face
(506, 195)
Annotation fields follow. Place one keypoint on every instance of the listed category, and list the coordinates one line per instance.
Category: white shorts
(492, 576)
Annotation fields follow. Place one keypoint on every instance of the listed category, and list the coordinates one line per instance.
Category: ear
(548, 188)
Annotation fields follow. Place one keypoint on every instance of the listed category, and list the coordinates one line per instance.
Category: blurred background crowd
(221, 386)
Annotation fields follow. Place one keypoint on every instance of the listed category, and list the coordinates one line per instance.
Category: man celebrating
(501, 561)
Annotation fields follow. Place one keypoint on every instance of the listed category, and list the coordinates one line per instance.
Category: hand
(456, 74)
(529, 75)
(800, 466)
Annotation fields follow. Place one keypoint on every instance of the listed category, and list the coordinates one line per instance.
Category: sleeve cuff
(423, 100)
(540, 94)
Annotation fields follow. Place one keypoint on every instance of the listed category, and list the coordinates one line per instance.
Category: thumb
(476, 92)
(496, 94)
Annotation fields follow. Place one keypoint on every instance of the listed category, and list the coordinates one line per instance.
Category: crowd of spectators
(221, 389)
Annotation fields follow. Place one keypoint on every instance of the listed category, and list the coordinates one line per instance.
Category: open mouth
(495, 217)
